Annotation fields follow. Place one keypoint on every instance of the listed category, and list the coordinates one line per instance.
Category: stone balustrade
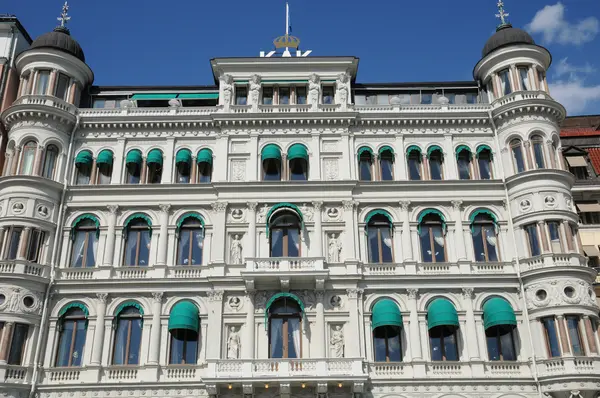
(13, 374)
(18, 268)
(285, 264)
(448, 370)
(569, 366)
(46, 100)
(550, 260)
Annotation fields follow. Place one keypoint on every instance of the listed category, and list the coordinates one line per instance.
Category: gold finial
(64, 16)
(502, 14)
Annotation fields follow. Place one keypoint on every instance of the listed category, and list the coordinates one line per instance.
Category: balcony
(24, 270)
(12, 374)
(419, 268)
(448, 370)
(568, 367)
(31, 105)
(552, 260)
(280, 269)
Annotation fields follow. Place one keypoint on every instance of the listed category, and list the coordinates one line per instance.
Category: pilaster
(215, 320)
(99, 336)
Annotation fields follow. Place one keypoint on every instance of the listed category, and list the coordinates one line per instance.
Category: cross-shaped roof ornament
(64, 17)
(501, 13)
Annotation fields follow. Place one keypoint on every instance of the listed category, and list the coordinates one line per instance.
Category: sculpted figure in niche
(334, 249)
(13, 304)
(314, 85)
(227, 83)
(233, 344)
(236, 250)
(336, 342)
(255, 88)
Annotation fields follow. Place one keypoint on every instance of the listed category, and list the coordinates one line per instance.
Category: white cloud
(575, 95)
(565, 68)
(550, 21)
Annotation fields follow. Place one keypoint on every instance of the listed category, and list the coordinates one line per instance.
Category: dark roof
(15, 20)
(59, 39)
(506, 35)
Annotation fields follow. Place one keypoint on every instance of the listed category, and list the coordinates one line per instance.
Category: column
(23, 243)
(552, 153)
(144, 171)
(353, 349)
(7, 164)
(450, 159)
(37, 162)
(109, 250)
(251, 217)
(320, 326)
(2, 230)
(5, 341)
(215, 320)
(249, 334)
(318, 252)
(566, 231)
(93, 173)
(415, 340)
(163, 237)
(194, 166)
(99, 337)
(218, 224)
(543, 237)
(459, 234)
(589, 331)
(406, 240)
(350, 246)
(530, 165)
(153, 356)
(472, 346)
(315, 161)
(15, 160)
(564, 342)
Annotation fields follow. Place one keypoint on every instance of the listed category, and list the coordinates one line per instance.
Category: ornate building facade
(290, 232)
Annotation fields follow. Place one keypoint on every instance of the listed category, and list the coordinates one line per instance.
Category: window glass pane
(298, 170)
(553, 230)
(134, 342)
(184, 247)
(464, 163)
(133, 173)
(276, 338)
(83, 174)
(365, 168)
(13, 249)
(435, 166)
(62, 86)
(379, 345)
(104, 174)
(493, 346)
(478, 243)
(508, 346)
(414, 167)
(197, 246)
(267, 96)
(532, 235)
(294, 336)
(426, 99)
(276, 243)
(301, 95)
(64, 344)
(77, 257)
(524, 76)
(144, 247)
(80, 331)
(204, 172)
(284, 95)
(450, 345)
(17, 345)
(435, 342)
(154, 173)
(191, 348)
(183, 173)
(28, 158)
(538, 151)
(328, 95)
(373, 241)
(387, 173)
(34, 247)
(426, 244)
(131, 248)
(394, 344)
(505, 82)
(177, 347)
(386, 245)
(241, 96)
(120, 354)
(573, 327)
(438, 244)
(92, 246)
(272, 170)
(42, 81)
(518, 156)
(551, 336)
(50, 162)
(484, 166)
(293, 242)
(491, 242)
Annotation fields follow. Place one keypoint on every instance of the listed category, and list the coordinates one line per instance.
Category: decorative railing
(13, 374)
(458, 370)
(284, 264)
(519, 96)
(550, 260)
(18, 267)
(46, 100)
(569, 366)
(281, 368)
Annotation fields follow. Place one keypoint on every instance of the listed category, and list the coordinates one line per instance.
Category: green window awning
(284, 205)
(84, 217)
(134, 156)
(427, 212)
(434, 148)
(153, 96)
(184, 315)
(127, 304)
(138, 216)
(497, 311)
(482, 148)
(155, 156)
(271, 151)
(441, 312)
(204, 156)
(183, 156)
(377, 212)
(411, 149)
(297, 151)
(74, 305)
(485, 212)
(363, 150)
(104, 157)
(386, 148)
(187, 216)
(84, 158)
(276, 297)
(386, 313)
(461, 148)
(198, 96)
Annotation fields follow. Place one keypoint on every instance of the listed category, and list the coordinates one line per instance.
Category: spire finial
(64, 16)
(502, 14)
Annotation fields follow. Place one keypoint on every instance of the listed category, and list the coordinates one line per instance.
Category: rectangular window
(42, 82)
(241, 95)
(533, 239)
(267, 95)
(17, 345)
(505, 81)
(575, 335)
(471, 98)
(301, 95)
(34, 249)
(524, 78)
(284, 95)
(13, 243)
(327, 95)
(426, 99)
(580, 172)
(554, 233)
(551, 337)
(62, 86)
(590, 218)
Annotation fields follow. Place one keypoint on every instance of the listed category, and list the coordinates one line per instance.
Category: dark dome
(506, 35)
(60, 39)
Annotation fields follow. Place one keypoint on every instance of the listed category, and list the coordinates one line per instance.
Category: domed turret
(59, 39)
(506, 35)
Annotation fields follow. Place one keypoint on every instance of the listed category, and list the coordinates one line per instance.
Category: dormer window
(524, 78)
(578, 166)
(241, 95)
(504, 76)
(42, 82)
(327, 95)
(62, 86)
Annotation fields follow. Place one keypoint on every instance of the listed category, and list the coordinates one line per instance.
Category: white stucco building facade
(290, 232)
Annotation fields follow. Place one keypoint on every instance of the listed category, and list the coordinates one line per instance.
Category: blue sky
(151, 42)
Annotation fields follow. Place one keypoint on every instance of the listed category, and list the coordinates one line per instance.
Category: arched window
(191, 240)
(499, 322)
(138, 235)
(271, 161)
(83, 166)
(537, 143)
(285, 322)
(17, 343)
(516, 147)
(72, 334)
(379, 237)
(387, 327)
(184, 326)
(484, 160)
(297, 157)
(435, 155)
(205, 163)
(485, 240)
(128, 334)
(133, 165)
(85, 241)
(104, 163)
(183, 166)
(505, 85)
(524, 80)
(463, 160)
(154, 162)
(365, 164)
(28, 158)
(285, 234)
(50, 158)
(442, 322)
(432, 231)
(386, 163)
(413, 155)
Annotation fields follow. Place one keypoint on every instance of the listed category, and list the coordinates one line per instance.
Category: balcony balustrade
(550, 260)
(12, 374)
(46, 100)
(566, 367)
(20, 269)
(419, 268)
(448, 370)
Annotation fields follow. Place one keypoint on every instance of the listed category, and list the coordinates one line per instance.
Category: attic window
(576, 161)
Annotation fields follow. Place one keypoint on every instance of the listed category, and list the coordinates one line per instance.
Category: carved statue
(337, 342)
(236, 250)
(13, 304)
(227, 84)
(334, 249)
(233, 344)
(314, 86)
(342, 88)
(255, 88)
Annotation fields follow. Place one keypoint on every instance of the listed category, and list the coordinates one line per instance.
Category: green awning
(411, 149)
(441, 312)
(204, 156)
(198, 96)
(386, 148)
(461, 148)
(278, 296)
(151, 96)
(480, 212)
(378, 212)
(434, 148)
(127, 304)
(297, 151)
(386, 313)
(82, 218)
(187, 216)
(184, 315)
(497, 311)
(154, 157)
(427, 212)
(134, 156)
(73, 305)
(364, 149)
(271, 151)
(138, 216)
(84, 157)
(482, 148)
(183, 156)
(105, 157)
(290, 206)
